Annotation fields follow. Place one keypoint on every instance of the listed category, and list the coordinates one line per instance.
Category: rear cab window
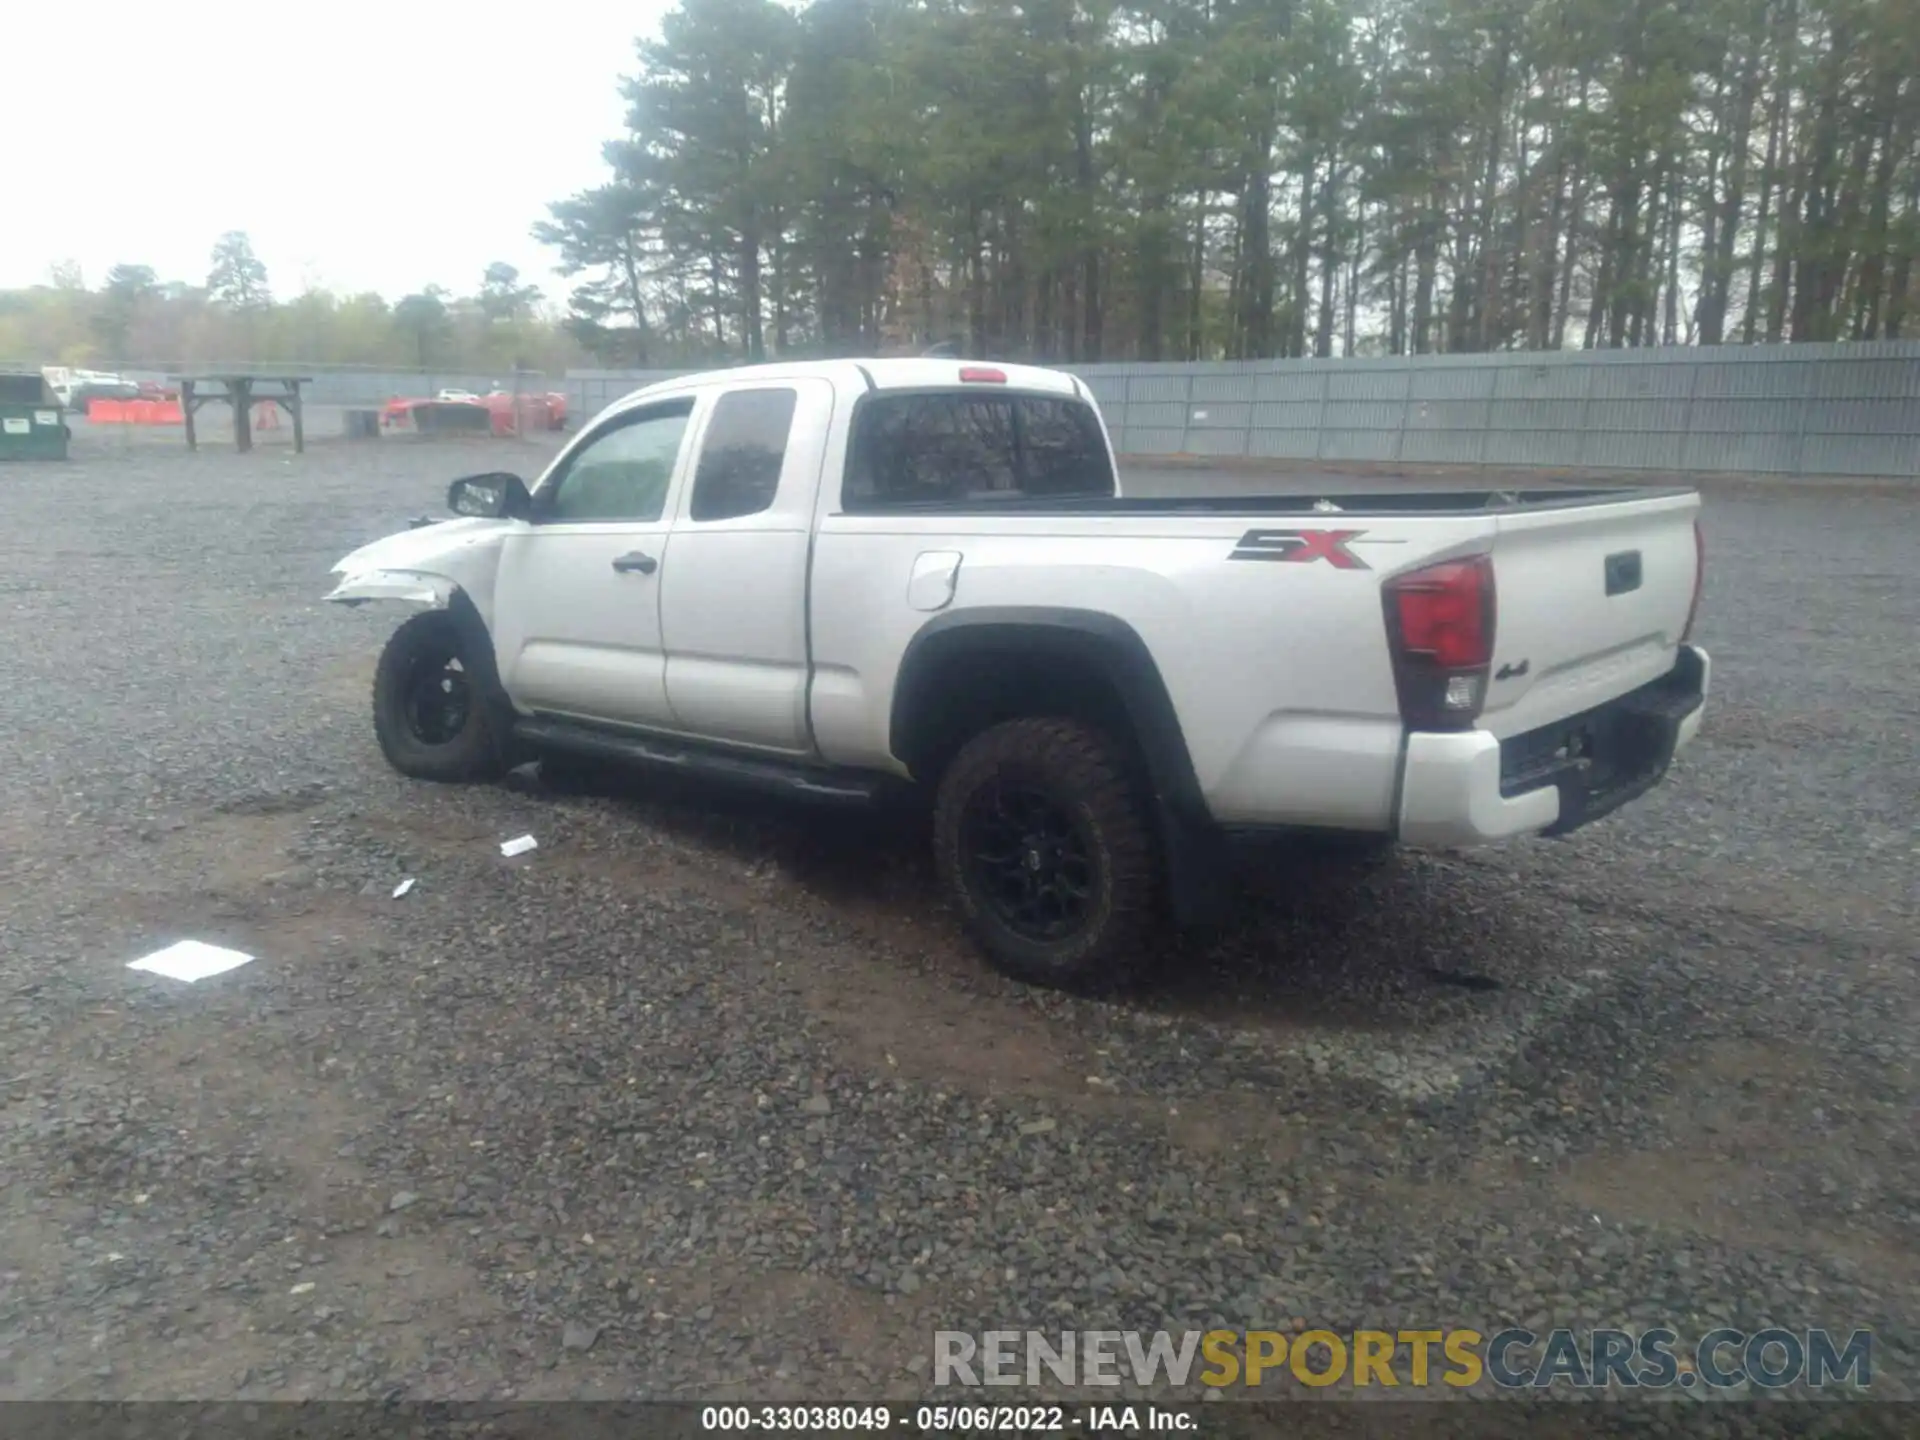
(923, 450)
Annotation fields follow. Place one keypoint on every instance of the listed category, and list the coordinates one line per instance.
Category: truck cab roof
(874, 374)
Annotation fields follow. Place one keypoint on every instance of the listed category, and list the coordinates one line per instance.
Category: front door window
(622, 474)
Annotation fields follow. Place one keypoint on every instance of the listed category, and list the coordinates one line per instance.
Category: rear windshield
(954, 450)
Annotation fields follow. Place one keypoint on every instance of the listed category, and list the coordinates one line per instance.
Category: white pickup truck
(833, 578)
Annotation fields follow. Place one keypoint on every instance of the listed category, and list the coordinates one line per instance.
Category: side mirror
(495, 495)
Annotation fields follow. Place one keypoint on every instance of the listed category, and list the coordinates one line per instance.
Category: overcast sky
(362, 146)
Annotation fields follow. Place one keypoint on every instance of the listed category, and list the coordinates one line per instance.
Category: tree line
(1085, 180)
(133, 317)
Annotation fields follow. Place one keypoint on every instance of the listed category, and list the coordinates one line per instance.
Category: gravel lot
(705, 1100)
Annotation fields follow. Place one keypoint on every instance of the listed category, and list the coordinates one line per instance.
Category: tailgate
(1591, 602)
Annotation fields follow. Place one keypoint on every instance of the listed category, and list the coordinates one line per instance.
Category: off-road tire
(475, 751)
(1087, 776)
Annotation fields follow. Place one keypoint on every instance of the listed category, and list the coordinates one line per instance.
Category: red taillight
(1440, 624)
(1444, 613)
(1699, 580)
(979, 375)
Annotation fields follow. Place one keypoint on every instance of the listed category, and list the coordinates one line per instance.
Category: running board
(830, 787)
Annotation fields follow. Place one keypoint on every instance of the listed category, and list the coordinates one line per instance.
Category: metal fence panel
(1357, 444)
(1636, 416)
(1866, 379)
(1364, 415)
(1541, 382)
(1162, 414)
(1358, 384)
(1757, 452)
(1450, 384)
(1286, 414)
(1296, 444)
(1542, 449)
(1450, 447)
(1756, 380)
(591, 391)
(1153, 442)
(1511, 415)
(377, 387)
(1861, 417)
(1158, 387)
(1637, 381)
(1229, 416)
(1740, 417)
(1217, 442)
(1222, 387)
(1633, 452)
(1860, 455)
(1447, 415)
(1776, 409)
(1296, 386)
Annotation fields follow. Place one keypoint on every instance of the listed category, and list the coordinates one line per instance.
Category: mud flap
(1199, 870)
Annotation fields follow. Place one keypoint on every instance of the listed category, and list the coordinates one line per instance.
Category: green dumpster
(31, 425)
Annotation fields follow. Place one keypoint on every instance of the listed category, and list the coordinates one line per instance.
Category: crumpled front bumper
(359, 587)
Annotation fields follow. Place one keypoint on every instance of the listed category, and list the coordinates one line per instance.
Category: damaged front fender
(425, 566)
(361, 586)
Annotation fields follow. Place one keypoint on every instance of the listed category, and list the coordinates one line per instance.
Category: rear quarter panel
(1278, 671)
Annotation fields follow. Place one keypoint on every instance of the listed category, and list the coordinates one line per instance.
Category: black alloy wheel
(430, 707)
(1044, 847)
(1029, 858)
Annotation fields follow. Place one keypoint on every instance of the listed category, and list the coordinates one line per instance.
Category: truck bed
(1242, 475)
(1208, 492)
(1225, 473)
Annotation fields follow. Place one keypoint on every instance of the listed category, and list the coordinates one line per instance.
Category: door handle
(636, 560)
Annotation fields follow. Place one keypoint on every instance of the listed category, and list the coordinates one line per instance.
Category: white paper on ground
(403, 887)
(519, 846)
(190, 960)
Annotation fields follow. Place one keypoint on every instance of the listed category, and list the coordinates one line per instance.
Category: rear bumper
(1470, 788)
